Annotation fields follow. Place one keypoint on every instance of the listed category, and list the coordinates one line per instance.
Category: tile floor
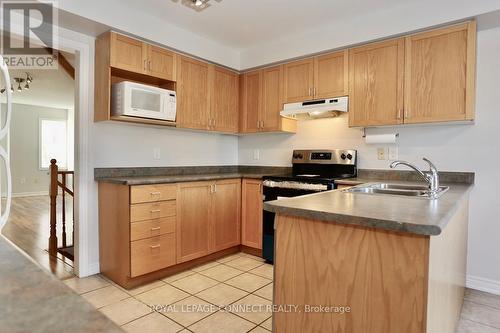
(188, 301)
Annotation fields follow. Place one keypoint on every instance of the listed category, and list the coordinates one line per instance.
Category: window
(53, 143)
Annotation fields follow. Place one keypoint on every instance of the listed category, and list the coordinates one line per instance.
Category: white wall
(451, 147)
(27, 178)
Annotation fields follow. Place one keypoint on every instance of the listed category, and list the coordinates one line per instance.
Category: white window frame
(40, 121)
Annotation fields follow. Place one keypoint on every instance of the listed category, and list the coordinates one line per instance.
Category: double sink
(397, 189)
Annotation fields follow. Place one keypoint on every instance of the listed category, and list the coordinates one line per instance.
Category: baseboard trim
(29, 194)
(92, 269)
(482, 284)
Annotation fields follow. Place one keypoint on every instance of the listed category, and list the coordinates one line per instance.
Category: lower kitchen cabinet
(251, 213)
(226, 214)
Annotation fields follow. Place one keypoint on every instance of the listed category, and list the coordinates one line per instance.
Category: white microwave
(140, 100)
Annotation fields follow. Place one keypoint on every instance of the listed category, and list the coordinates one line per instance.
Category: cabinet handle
(155, 229)
(155, 211)
(314, 91)
(149, 64)
(262, 124)
(145, 64)
(155, 246)
(310, 91)
(407, 113)
(215, 188)
(155, 193)
(400, 112)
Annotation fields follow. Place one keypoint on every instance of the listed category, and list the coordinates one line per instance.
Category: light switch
(393, 153)
(156, 153)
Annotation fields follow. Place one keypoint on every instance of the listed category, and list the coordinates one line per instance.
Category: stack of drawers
(152, 228)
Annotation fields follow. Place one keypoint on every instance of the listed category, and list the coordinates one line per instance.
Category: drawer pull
(155, 247)
(155, 229)
(155, 193)
(155, 211)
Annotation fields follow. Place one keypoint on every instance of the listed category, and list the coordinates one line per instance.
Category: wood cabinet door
(439, 75)
(376, 84)
(226, 214)
(298, 81)
(251, 213)
(225, 100)
(161, 63)
(194, 202)
(331, 77)
(272, 98)
(250, 106)
(128, 53)
(193, 94)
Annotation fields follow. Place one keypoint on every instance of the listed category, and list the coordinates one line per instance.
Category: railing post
(53, 211)
(64, 210)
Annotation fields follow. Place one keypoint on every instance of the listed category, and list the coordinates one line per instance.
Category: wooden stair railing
(55, 184)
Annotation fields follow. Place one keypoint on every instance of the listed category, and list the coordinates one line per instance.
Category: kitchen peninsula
(397, 262)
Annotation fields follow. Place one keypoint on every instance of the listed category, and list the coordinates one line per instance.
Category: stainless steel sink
(396, 189)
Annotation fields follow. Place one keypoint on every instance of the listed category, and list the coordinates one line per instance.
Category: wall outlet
(156, 153)
(393, 153)
(256, 154)
(381, 154)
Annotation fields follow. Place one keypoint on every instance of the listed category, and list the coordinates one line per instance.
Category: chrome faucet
(431, 176)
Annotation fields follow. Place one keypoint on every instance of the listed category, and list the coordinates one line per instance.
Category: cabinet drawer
(152, 193)
(152, 254)
(152, 228)
(149, 211)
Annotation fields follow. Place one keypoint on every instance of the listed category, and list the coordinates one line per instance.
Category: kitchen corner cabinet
(208, 218)
(207, 96)
(261, 101)
(422, 78)
(317, 77)
(251, 213)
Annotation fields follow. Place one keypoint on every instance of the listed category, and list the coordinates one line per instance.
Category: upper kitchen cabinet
(127, 53)
(298, 80)
(318, 77)
(440, 75)
(250, 101)
(161, 63)
(376, 73)
(224, 100)
(331, 75)
(193, 94)
(262, 101)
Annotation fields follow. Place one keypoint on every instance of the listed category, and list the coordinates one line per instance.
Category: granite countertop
(145, 180)
(34, 301)
(390, 212)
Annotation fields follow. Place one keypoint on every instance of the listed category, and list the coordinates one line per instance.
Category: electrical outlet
(256, 154)
(381, 153)
(156, 153)
(393, 153)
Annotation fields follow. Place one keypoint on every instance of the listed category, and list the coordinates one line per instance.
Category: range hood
(315, 109)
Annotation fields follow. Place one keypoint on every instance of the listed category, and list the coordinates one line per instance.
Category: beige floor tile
(178, 276)
(229, 258)
(265, 270)
(222, 322)
(221, 294)
(194, 283)
(467, 326)
(105, 296)
(483, 298)
(125, 311)
(205, 266)
(265, 292)
(86, 284)
(190, 310)
(221, 272)
(164, 295)
(243, 263)
(152, 323)
(268, 324)
(248, 282)
(251, 256)
(144, 288)
(259, 329)
(481, 314)
(257, 311)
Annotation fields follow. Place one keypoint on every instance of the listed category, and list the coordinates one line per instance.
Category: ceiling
(241, 24)
(50, 88)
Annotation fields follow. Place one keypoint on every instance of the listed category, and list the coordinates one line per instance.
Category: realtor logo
(29, 34)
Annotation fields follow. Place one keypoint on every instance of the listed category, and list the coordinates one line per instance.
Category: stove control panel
(336, 156)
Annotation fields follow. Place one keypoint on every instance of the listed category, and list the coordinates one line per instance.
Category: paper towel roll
(381, 138)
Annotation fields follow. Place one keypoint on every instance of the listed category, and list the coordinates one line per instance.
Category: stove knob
(349, 156)
(300, 156)
(343, 156)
